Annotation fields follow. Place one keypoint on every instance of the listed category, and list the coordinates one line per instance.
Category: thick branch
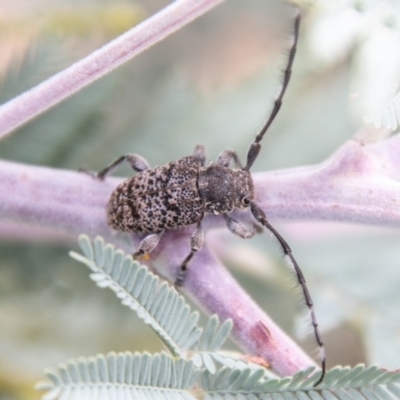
(50, 92)
(358, 184)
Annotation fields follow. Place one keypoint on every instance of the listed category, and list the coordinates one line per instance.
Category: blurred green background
(213, 83)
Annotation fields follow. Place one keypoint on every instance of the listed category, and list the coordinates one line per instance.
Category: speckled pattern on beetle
(177, 194)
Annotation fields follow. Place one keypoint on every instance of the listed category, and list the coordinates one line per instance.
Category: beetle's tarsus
(93, 174)
(181, 277)
(196, 242)
(226, 156)
(139, 255)
(147, 245)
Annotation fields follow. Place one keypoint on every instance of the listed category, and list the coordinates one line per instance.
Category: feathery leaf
(360, 382)
(122, 375)
(159, 305)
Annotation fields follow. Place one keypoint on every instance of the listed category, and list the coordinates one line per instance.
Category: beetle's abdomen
(160, 198)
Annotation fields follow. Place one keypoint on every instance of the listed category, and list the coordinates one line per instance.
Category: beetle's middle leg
(137, 163)
(196, 241)
(147, 245)
(226, 156)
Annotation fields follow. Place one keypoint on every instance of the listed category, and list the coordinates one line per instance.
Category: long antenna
(255, 146)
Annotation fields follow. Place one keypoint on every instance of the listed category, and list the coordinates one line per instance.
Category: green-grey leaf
(221, 335)
(158, 305)
(208, 333)
(343, 384)
(86, 246)
(145, 369)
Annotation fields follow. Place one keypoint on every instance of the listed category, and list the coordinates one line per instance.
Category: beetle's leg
(239, 229)
(147, 245)
(200, 154)
(226, 156)
(196, 241)
(137, 163)
(291, 262)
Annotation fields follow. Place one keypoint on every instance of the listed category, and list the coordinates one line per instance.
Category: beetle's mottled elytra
(182, 192)
(157, 199)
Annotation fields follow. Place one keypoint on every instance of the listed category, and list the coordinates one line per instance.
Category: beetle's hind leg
(137, 163)
(196, 241)
(147, 245)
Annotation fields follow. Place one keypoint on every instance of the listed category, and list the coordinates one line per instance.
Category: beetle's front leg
(239, 229)
(200, 154)
(196, 241)
(147, 245)
(226, 156)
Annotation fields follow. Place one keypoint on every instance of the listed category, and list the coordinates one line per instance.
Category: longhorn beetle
(181, 192)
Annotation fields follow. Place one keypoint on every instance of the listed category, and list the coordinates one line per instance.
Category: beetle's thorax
(223, 189)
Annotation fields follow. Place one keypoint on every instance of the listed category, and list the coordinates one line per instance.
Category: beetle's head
(244, 189)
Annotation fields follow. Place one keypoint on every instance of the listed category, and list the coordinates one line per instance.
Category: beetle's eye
(245, 201)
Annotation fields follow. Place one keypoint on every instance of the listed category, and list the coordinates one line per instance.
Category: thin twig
(50, 92)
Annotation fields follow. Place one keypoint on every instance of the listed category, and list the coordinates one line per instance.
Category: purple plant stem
(358, 183)
(50, 92)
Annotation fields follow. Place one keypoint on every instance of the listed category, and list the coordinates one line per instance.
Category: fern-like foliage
(159, 376)
(158, 304)
(358, 383)
(211, 340)
(121, 376)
